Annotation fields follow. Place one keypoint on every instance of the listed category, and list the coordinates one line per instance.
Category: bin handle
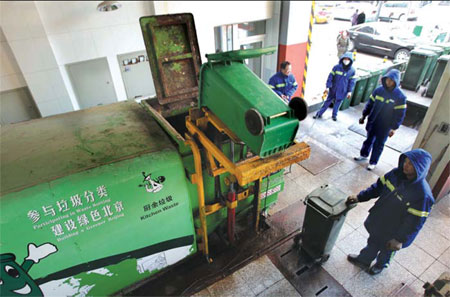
(316, 209)
(332, 217)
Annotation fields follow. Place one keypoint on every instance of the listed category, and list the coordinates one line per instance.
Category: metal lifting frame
(244, 172)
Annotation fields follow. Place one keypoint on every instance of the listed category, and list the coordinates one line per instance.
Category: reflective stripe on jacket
(386, 109)
(341, 78)
(403, 205)
(283, 85)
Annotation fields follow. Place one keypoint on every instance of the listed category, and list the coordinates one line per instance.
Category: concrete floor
(423, 261)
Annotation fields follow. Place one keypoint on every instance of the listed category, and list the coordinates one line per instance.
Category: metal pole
(380, 4)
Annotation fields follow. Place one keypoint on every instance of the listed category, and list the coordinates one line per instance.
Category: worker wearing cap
(385, 110)
(340, 84)
(404, 203)
(283, 82)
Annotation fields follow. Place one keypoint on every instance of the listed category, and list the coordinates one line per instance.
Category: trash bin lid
(328, 200)
(423, 52)
(444, 58)
(436, 49)
(361, 73)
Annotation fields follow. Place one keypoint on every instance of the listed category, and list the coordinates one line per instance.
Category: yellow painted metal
(245, 172)
(250, 171)
(198, 180)
(212, 208)
(278, 115)
(232, 205)
(220, 126)
(245, 194)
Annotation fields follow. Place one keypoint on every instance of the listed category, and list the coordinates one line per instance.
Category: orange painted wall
(295, 54)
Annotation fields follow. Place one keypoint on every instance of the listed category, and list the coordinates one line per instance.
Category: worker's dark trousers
(374, 142)
(337, 104)
(376, 249)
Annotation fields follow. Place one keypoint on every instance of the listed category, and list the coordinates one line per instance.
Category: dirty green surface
(41, 150)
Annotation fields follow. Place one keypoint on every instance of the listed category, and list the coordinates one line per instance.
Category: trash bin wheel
(297, 239)
(417, 88)
(324, 259)
(424, 92)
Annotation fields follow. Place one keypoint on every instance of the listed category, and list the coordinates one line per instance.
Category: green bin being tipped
(247, 105)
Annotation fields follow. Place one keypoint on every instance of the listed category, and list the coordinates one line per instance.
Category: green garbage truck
(96, 200)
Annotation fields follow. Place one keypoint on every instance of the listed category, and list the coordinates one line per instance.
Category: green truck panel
(106, 227)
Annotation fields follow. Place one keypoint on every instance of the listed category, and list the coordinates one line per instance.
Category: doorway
(92, 83)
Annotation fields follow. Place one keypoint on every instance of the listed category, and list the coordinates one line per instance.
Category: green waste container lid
(423, 52)
(442, 45)
(438, 50)
(361, 73)
(445, 58)
(327, 200)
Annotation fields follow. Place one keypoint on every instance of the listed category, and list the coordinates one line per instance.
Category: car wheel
(351, 46)
(401, 55)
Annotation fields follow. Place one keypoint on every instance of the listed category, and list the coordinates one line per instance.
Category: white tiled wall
(45, 36)
(10, 75)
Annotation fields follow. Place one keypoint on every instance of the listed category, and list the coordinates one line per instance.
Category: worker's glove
(361, 120)
(393, 245)
(327, 90)
(351, 200)
(391, 133)
(349, 94)
(36, 253)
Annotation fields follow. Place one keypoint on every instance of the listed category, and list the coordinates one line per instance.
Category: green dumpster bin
(439, 52)
(418, 64)
(324, 216)
(360, 86)
(372, 83)
(437, 74)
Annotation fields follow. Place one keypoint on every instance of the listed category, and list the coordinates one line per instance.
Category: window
(366, 29)
(249, 35)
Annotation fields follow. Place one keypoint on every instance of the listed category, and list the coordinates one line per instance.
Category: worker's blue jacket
(283, 85)
(340, 80)
(404, 204)
(386, 109)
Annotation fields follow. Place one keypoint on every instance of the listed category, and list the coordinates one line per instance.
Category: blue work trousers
(376, 249)
(375, 143)
(327, 103)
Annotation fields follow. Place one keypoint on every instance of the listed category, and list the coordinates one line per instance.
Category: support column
(294, 25)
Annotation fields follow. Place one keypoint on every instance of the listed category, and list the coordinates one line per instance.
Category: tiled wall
(45, 36)
(10, 75)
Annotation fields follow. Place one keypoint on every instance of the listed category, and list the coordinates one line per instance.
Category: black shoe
(317, 116)
(334, 119)
(375, 270)
(352, 258)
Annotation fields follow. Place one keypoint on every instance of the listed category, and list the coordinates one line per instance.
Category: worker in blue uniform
(386, 110)
(283, 82)
(404, 203)
(340, 85)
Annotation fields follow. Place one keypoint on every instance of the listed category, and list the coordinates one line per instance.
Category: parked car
(322, 15)
(345, 11)
(399, 10)
(383, 39)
